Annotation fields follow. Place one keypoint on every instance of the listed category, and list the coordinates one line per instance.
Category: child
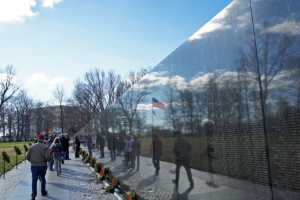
(57, 150)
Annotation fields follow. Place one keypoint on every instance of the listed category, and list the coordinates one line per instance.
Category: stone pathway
(161, 187)
(77, 182)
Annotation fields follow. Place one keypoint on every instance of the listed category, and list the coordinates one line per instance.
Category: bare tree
(59, 95)
(130, 93)
(95, 93)
(7, 86)
(23, 109)
(173, 110)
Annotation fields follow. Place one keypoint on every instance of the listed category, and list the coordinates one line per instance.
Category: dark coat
(182, 151)
(156, 148)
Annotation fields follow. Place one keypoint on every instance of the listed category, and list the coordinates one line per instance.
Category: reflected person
(137, 151)
(182, 151)
(102, 145)
(156, 152)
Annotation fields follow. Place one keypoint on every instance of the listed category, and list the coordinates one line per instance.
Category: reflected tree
(129, 95)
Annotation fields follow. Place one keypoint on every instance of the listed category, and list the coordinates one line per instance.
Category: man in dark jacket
(156, 152)
(77, 147)
(182, 151)
(38, 155)
(65, 145)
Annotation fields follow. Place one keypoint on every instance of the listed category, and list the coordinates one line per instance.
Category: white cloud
(16, 10)
(287, 27)
(216, 24)
(20, 10)
(50, 3)
(41, 86)
(201, 81)
(160, 79)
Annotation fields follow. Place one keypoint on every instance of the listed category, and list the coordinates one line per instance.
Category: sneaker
(33, 196)
(44, 193)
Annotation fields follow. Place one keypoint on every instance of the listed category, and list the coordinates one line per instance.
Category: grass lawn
(9, 148)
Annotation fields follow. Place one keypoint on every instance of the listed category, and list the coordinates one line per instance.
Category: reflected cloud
(286, 27)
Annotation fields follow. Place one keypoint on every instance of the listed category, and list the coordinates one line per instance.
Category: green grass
(9, 148)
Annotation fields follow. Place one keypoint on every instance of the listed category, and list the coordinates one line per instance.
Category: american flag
(158, 104)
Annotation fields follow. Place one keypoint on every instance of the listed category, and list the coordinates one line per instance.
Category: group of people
(130, 147)
(132, 152)
(53, 151)
(127, 145)
(45, 153)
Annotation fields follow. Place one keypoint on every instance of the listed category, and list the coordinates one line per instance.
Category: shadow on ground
(147, 182)
(181, 196)
(68, 187)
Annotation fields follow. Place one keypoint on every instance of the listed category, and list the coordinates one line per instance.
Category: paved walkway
(161, 187)
(77, 182)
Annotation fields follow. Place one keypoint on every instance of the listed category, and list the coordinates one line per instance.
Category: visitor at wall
(182, 151)
(156, 152)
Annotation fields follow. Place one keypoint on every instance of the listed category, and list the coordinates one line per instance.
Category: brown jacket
(38, 154)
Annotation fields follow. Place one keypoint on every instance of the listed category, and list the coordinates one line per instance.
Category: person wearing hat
(38, 155)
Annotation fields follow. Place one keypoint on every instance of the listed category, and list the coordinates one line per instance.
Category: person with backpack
(38, 155)
(182, 151)
(57, 152)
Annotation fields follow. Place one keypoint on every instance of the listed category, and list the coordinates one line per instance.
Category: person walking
(51, 161)
(102, 145)
(127, 150)
(137, 151)
(111, 143)
(77, 147)
(56, 149)
(182, 151)
(38, 155)
(156, 152)
(89, 143)
(67, 146)
(132, 152)
(64, 143)
(114, 147)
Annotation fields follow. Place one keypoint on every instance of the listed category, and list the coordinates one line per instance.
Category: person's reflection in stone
(182, 151)
(156, 152)
(209, 128)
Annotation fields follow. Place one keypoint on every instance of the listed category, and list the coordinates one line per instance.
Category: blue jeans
(38, 172)
(50, 163)
(57, 162)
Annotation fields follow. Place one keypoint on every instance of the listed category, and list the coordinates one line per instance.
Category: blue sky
(56, 41)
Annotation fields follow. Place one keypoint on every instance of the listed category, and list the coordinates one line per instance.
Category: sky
(52, 42)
